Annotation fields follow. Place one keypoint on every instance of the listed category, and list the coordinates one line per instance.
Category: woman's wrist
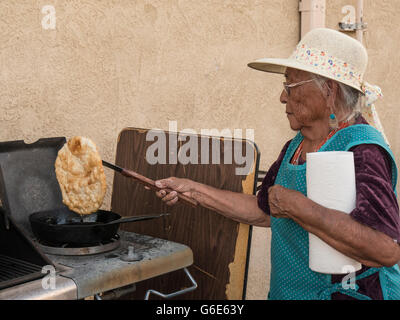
(297, 205)
(307, 213)
(205, 195)
(197, 190)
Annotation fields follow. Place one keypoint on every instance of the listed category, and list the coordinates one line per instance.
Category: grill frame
(14, 271)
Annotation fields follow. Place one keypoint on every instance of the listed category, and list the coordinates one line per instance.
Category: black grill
(19, 260)
(27, 184)
(14, 271)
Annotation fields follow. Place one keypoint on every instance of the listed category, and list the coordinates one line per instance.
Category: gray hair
(350, 98)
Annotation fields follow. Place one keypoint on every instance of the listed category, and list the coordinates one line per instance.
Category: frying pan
(63, 226)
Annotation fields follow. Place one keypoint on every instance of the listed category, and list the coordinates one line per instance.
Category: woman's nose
(284, 96)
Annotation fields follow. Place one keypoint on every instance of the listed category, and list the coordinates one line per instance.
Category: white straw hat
(325, 52)
(334, 55)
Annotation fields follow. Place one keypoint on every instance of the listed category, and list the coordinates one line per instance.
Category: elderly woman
(322, 89)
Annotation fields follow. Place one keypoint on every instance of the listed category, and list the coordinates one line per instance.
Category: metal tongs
(148, 182)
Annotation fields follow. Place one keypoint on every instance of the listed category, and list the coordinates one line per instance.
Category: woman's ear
(331, 88)
(331, 92)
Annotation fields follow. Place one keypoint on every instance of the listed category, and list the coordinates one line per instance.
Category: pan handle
(136, 218)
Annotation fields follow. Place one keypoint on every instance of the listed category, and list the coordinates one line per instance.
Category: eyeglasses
(293, 85)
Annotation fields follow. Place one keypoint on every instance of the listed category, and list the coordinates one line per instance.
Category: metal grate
(14, 271)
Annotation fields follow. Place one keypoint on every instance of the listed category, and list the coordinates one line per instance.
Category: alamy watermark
(193, 151)
(49, 20)
(349, 280)
(49, 280)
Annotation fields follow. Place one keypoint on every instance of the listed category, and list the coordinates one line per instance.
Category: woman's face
(306, 105)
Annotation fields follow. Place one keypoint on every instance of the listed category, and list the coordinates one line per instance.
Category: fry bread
(80, 174)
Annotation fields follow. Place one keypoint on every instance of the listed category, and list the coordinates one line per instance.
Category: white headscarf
(372, 93)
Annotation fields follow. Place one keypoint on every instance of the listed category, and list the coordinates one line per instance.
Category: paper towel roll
(331, 183)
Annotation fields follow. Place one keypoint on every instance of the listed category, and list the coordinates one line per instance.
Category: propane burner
(68, 250)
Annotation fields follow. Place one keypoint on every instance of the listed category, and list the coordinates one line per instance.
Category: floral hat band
(336, 69)
(327, 65)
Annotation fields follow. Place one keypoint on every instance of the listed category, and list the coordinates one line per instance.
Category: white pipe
(359, 20)
(312, 15)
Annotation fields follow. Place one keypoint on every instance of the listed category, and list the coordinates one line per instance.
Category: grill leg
(176, 293)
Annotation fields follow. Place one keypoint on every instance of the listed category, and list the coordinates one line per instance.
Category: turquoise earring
(333, 122)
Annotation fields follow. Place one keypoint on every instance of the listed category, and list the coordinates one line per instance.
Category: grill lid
(28, 181)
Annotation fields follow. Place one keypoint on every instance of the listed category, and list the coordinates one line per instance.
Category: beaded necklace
(297, 154)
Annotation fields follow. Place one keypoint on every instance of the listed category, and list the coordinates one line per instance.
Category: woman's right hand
(181, 185)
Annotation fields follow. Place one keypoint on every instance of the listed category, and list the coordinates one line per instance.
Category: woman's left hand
(281, 200)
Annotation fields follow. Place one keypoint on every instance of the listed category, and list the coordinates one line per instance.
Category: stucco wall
(110, 64)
